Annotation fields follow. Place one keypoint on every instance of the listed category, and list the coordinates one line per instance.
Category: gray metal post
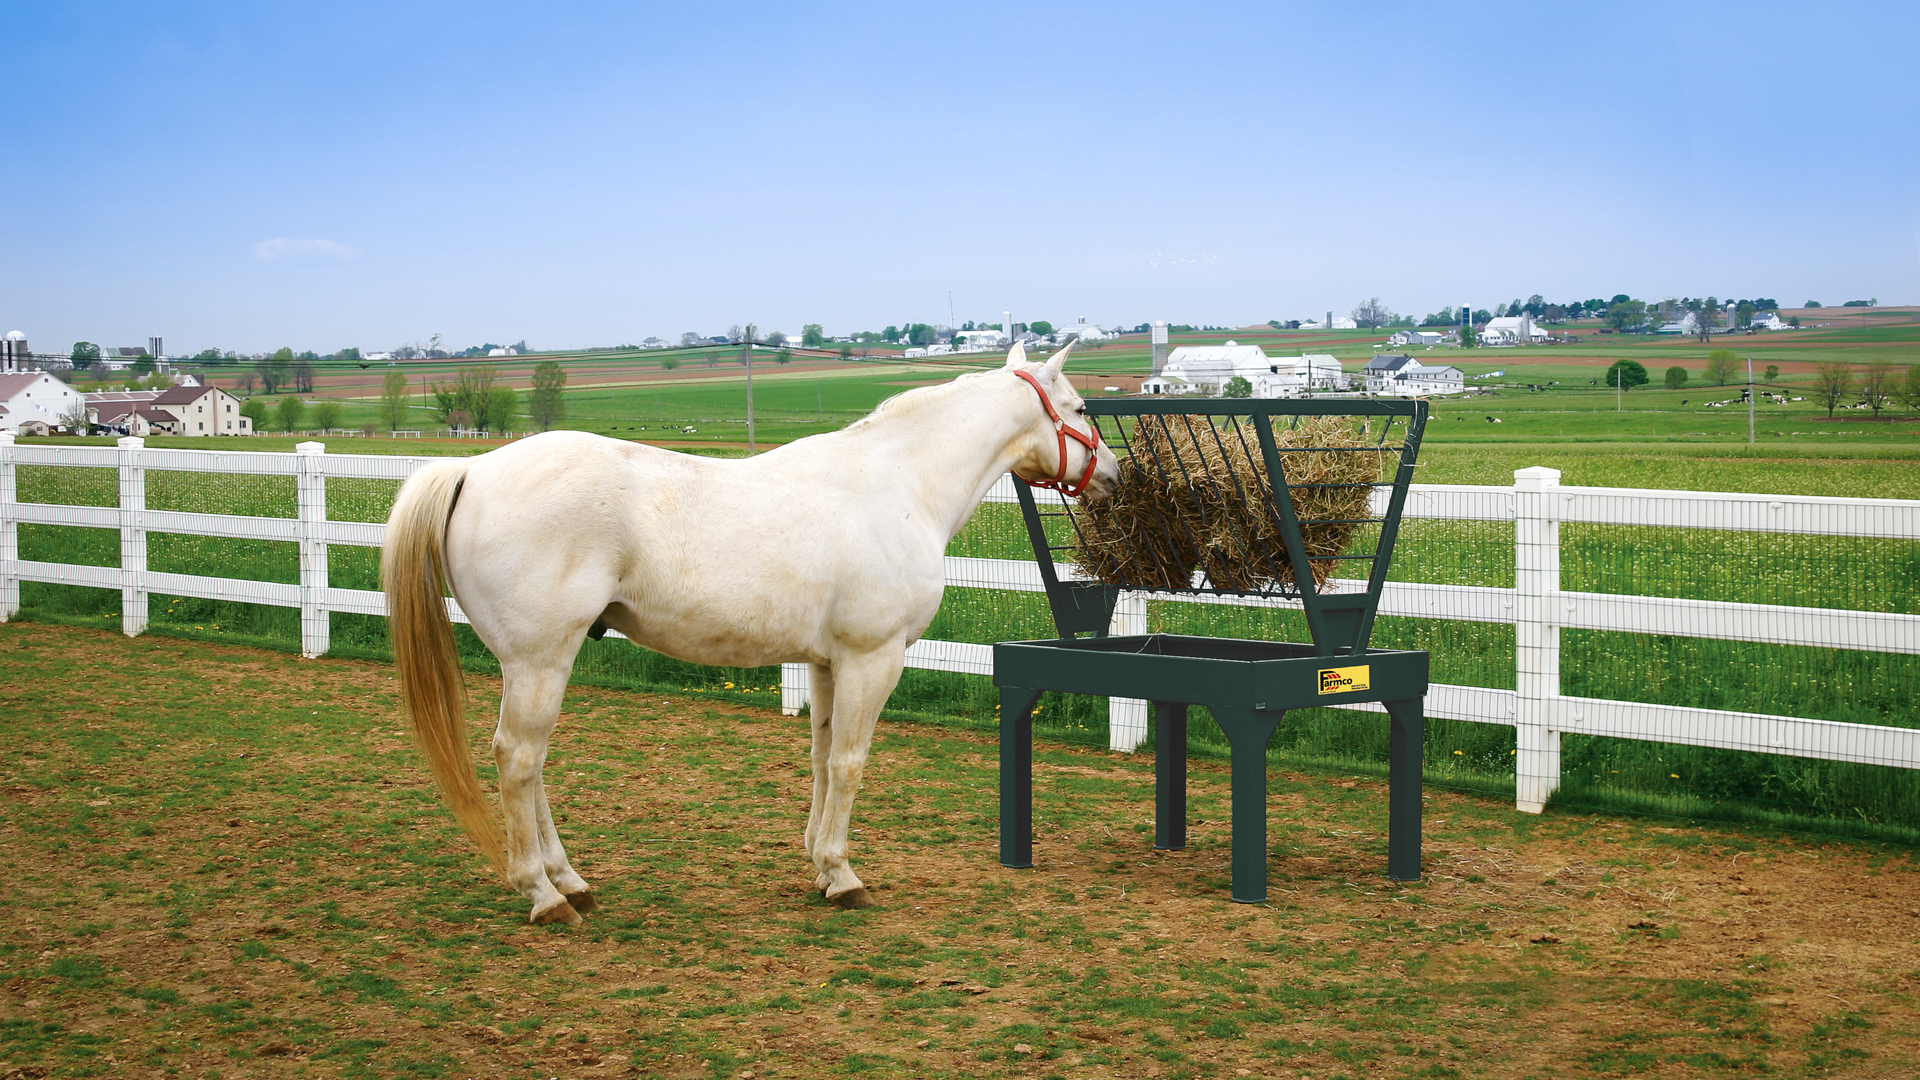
(1749, 400)
(1248, 731)
(1016, 776)
(746, 356)
(1406, 762)
(1169, 776)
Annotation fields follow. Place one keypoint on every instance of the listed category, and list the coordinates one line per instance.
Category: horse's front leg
(820, 712)
(861, 686)
(536, 863)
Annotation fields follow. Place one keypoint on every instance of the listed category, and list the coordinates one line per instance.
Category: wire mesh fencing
(1690, 653)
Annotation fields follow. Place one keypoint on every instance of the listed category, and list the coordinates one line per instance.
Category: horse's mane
(909, 401)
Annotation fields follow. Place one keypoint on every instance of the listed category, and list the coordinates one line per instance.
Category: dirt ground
(227, 862)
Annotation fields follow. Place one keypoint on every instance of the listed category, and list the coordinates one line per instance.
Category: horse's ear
(1059, 360)
(1017, 355)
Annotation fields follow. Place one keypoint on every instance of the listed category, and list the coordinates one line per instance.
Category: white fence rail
(1536, 606)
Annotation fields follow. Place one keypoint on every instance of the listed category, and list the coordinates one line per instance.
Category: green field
(230, 863)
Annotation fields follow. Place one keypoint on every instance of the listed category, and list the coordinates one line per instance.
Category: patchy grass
(228, 861)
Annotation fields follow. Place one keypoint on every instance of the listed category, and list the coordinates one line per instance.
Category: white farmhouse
(1416, 337)
(1768, 320)
(34, 402)
(1397, 375)
(204, 410)
(179, 410)
(1295, 375)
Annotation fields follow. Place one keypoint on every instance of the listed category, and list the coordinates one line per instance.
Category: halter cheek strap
(1090, 439)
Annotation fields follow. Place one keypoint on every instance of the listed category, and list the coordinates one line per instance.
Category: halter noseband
(1091, 441)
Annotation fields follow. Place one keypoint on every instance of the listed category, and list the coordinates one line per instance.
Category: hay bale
(1193, 496)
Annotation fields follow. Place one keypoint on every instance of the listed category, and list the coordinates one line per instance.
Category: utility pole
(746, 357)
(1749, 401)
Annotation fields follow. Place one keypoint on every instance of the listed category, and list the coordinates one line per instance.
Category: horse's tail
(412, 569)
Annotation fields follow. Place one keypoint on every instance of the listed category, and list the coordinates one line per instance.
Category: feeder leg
(1405, 762)
(1169, 775)
(1016, 775)
(1249, 732)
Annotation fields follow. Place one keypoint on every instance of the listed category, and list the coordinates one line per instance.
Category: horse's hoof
(561, 912)
(582, 902)
(852, 900)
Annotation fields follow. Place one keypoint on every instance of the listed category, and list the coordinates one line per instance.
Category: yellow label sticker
(1342, 680)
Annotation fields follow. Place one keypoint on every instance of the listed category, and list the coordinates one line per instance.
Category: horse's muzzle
(1106, 476)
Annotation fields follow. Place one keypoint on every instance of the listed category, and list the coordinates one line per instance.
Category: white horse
(826, 551)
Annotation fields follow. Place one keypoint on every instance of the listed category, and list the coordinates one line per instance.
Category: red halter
(1091, 441)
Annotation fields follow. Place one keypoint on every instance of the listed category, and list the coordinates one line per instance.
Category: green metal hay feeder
(1241, 522)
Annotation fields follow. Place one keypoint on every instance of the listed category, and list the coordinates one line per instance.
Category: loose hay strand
(1192, 497)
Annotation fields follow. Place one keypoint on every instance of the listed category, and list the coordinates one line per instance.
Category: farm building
(1208, 368)
(1083, 330)
(180, 410)
(1512, 330)
(134, 418)
(30, 400)
(1417, 337)
(1398, 375)
(981, 340)
(14, 355)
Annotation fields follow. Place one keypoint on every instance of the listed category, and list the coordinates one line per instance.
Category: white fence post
(794, 682)
(1536, 637)
(133, 538)
(1127, 717)
(310, 491)
(9, 534)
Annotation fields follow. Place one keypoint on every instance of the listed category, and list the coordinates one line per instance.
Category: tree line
(475, 400)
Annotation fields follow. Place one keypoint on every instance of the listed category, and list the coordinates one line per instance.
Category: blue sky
(246, 176)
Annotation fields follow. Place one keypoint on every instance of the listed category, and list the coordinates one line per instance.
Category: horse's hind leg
(536, 862)
(554, 858)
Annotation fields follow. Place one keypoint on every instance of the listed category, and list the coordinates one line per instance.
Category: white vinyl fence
(1537, 607)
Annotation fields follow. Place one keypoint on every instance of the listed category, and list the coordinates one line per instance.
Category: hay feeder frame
(1247, 685)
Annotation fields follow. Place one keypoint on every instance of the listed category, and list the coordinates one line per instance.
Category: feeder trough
(1239, 498)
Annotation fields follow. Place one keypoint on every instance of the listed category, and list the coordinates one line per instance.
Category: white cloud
(282, 248)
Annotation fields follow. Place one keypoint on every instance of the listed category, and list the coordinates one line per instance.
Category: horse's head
(1064, 450)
